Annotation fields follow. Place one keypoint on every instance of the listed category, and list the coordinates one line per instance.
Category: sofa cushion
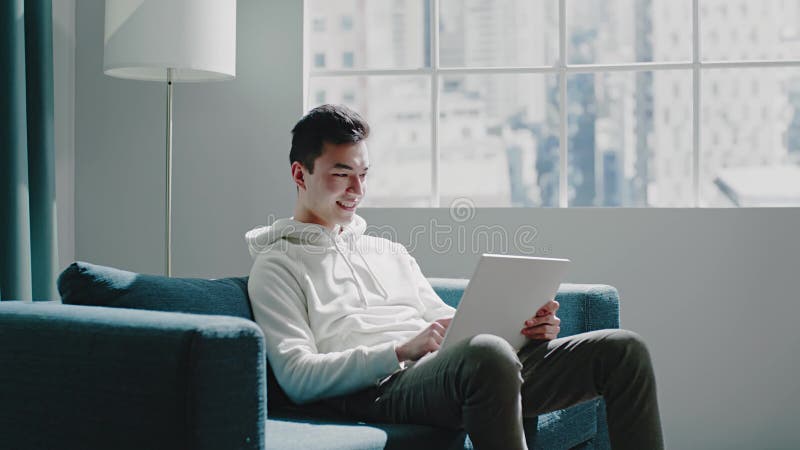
(302, 433)
(566, 428)
(84, 283)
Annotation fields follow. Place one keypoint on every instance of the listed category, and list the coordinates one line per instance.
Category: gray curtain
(28, 255)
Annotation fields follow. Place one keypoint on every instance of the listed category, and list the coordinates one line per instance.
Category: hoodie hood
(260, 239)
(314, 236)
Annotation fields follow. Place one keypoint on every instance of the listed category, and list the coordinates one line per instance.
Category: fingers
(429, 340)
(542, 336)
(551, 319)
(542, 328)
(550, 308)
(445, 322)
(438, 328)
(437, 335)
(434, 336)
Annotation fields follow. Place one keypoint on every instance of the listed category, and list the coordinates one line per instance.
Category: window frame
(562, 70)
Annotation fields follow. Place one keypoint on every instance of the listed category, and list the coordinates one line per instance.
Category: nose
(356, 185)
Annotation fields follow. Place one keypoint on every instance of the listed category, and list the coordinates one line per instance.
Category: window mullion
(696, 78)
(306, 55)
(434, 33)
(563, 198)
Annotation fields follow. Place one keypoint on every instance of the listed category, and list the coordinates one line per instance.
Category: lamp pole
(174, 41)
(168, 202)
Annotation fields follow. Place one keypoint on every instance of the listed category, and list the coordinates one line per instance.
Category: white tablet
(504, 292)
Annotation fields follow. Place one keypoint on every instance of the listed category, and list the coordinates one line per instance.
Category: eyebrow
(345, 166)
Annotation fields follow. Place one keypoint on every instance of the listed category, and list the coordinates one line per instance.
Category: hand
(545, 325)
(427, 341)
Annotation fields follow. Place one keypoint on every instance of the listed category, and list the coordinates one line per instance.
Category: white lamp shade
(195, 38)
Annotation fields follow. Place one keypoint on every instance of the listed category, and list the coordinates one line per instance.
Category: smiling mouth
(347, 206)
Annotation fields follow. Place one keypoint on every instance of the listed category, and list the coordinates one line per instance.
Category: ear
(298, 175)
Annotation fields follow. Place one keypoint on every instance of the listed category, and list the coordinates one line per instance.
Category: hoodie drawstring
(352, 271)
(378, 283)
(384, 292)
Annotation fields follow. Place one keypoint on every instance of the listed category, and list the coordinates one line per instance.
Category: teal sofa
(133, 361)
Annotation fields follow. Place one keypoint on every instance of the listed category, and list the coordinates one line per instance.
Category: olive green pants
(483, 386)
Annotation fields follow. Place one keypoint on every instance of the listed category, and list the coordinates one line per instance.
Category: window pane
(319, 60)
(750, 30)
(481, 33)
(630, 139)
(399, 113)
(498, 136)
(626, 31)
(750, 137)
(380, 34)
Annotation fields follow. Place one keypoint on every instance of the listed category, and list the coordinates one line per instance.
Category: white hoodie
(333, 305)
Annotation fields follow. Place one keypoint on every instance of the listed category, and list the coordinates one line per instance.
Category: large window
(665, 103)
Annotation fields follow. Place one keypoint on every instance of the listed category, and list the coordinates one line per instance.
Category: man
(349, 319)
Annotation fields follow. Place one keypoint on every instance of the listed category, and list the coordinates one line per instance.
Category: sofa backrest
(84, 283)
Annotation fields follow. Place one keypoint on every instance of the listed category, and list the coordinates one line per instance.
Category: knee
(489, 357)
(629, 346)
(489, 376)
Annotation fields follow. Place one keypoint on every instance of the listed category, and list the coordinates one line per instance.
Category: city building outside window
(564, 103)
(347, 23)
(319, 60)
(347, 59)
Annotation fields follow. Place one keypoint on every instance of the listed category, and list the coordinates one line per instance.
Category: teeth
(347, 205)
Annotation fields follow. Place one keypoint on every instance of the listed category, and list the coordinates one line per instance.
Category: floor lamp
(170, 41)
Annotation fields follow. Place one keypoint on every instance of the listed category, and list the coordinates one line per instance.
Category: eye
(340, 174)
(363, 175)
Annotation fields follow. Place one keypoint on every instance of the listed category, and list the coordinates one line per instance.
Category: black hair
(335, 124)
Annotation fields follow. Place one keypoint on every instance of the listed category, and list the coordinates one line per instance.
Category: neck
(307, 216)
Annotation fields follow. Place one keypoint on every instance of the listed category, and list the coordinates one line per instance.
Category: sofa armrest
(584, 307)
(98, 378)
(587, 307)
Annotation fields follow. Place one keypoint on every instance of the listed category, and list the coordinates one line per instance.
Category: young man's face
(332, 193)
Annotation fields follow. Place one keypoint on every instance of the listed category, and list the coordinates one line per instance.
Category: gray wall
(230, 147)
(711, 290)
(64, 125)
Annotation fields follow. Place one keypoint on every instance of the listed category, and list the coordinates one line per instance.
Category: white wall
(711, 290)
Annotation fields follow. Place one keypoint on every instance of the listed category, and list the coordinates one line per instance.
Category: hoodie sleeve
(435, 307)
(279, 308)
